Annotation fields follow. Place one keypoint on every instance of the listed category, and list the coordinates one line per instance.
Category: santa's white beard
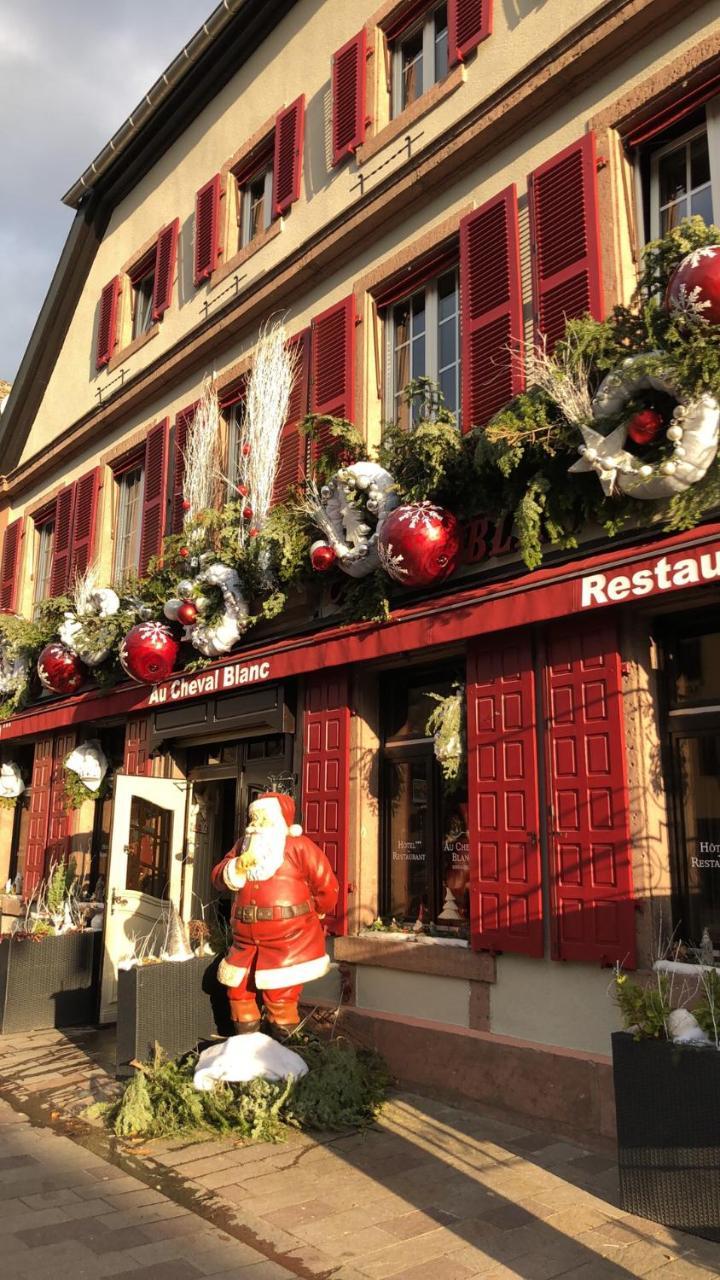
(262, 852)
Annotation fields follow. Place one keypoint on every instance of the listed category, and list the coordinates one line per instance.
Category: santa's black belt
(251, 915)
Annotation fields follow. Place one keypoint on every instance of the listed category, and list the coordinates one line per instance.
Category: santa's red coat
(281, 953)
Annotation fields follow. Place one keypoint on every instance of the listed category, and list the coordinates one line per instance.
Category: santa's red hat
(287, 808)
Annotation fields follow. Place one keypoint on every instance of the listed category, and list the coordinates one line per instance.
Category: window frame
(427, 25)
(244, 184)
(140, 292)
(130, 564)
(711, 130)
(43, 558)
(430, 287)
(645, 163)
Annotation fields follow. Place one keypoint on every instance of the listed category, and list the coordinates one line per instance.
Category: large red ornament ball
(645, 426)
(322, 556)
(694, 286)
(60, 670)
(187, 613)
(419, 544)
(149, 652)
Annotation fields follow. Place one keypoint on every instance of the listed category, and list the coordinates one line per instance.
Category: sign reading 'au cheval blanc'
(235, 676)
(670, 573)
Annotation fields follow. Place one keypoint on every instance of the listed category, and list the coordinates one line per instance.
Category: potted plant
(666, 1067)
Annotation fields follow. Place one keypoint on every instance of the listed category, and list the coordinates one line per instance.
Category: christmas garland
(618, 429)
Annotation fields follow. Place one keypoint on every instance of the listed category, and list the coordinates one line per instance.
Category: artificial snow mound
(242, 1058)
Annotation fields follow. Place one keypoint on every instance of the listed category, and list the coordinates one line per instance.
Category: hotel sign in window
(425, 880)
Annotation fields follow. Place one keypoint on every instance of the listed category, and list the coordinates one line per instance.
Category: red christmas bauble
(187, 613)
(253, 533)
(645, 426)
(245, 449)
(419, 544)
(60, 670)
(322, 556)
(184, 552)
(148, 652)
(242, 490)
(247, 513)
(186, 505)
(694, 286)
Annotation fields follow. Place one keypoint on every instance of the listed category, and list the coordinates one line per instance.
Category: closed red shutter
(590, 853)
(565, 240)
(491, 308)
(57, 847)
(182, 425)
(287, 161)
(291, 459)
(137, 758)
(10, 566)
(505, 867)
(165, 259)
(62, 541)
(207, 229)
(332, 365)
(39, 816)
(348, 96)
(107, 322)
(469, 22)
(87, 489)
(154, 495)
(326, 777)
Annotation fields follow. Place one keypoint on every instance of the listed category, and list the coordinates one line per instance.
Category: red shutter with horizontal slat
(491, 308)
(57, 848)
(10, 566)
(332, 365)
(348, 96)
(39, 816)
(107, 322)
(291, 452)
(182, 425)
(207, 229)
(326, 775)
(87, 489)
(154, 494)
(469, 22)
(505, 867)
(287, 160)
(565, 240)
(590, 852)
(165, 259)
(62, 541)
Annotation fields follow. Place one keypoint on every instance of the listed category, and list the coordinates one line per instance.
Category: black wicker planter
(176, 1004)
(667, 1100)
(49, 982)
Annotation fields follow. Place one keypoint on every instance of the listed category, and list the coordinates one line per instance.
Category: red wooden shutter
(182, 425)
(62, 540)
(38, 816)
(491, 308)
(87, 489)
(137, 757)
(165, 258)
(469, 22)
(107, 322)
(291, 459)
(565, 240)
(332, 366)
(326, 777)
(505, 868)
(57, 847)
(10, 566)
(154, 495)
(207, 229)
(287, 161)
(348, 96)
(590, 854)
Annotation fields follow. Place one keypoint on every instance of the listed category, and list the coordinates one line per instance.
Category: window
(255, 203)
(419, 59)
(682, 172)
(45, 538)
(234, 418)
(423, 340)
(143, 288)
(128, 519)
(425, 837)
(148, 850)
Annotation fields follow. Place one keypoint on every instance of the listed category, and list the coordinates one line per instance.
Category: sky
(70, 73)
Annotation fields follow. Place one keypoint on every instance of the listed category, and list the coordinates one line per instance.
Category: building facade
(416, 188)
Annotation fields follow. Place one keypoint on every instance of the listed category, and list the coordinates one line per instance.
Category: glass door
(697, 792)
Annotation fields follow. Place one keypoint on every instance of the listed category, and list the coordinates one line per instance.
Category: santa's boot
(245, 1015)
(281, 1012)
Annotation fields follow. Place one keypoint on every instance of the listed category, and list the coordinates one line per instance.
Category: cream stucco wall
(551, 1002)
(413, 995)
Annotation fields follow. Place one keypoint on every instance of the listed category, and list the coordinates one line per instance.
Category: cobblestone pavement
(432, 1191)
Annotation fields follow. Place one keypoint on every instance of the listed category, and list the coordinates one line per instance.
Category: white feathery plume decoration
(564, 377)
(266, 407)
(84, 587)
(201, 453)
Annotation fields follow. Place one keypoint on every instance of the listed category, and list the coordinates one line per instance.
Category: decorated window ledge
(415, 939)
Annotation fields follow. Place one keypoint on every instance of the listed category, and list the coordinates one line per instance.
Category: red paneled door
(57, 848)
(326, 777)
(590, 852)
(39, 815)
(505, 865)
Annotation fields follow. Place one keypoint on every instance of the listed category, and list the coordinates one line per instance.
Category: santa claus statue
(283, 885)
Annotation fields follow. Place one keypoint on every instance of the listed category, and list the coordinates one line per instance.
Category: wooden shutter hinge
(601, 162)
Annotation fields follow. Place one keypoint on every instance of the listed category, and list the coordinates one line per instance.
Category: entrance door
(145, 871)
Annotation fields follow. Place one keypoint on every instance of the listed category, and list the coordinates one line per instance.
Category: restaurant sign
(235, 676)
(669, 573)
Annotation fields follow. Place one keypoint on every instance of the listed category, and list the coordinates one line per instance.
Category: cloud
(69, 75)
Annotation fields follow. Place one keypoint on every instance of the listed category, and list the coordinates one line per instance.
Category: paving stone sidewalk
(432, 1191)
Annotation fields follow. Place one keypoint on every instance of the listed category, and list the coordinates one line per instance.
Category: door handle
(533, 838)
(117, 901)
